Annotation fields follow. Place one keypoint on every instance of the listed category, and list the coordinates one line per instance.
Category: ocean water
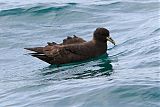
(128, 77)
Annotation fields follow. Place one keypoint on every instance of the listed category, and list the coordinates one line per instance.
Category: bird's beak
(111, 40)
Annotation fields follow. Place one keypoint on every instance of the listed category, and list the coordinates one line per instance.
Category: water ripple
(39, 9)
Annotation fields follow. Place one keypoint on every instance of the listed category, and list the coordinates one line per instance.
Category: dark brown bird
(74, 49)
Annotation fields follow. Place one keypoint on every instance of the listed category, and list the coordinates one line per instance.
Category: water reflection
(100, 66)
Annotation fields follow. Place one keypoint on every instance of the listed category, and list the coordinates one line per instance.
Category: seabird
(74, 49)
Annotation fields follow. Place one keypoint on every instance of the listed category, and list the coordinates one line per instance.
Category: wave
(113, 6)
(128, 7)
(39, 9)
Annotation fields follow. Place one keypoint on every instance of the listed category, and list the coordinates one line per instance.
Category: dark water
(128, 77)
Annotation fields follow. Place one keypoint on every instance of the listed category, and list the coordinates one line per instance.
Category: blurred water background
(128, 77)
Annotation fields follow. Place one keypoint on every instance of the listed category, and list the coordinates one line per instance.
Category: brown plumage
(74, 49)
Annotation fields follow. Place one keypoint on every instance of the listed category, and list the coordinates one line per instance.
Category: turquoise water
(128, 77)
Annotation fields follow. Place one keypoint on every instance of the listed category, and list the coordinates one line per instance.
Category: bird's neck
(96, 42)
(101, 46)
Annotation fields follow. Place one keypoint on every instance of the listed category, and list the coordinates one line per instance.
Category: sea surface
(128, 77)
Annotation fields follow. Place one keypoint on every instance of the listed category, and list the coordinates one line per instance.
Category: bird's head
(102, 35)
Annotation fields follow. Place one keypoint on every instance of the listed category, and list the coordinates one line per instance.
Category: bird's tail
(41, 57)
(39, 54)
(39, 50)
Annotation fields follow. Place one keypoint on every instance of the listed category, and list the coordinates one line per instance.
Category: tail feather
(42, 57)
(37, 49)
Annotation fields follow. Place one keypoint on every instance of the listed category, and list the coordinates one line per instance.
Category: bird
(74, 49)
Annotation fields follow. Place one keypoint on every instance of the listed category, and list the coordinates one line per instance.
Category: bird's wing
(59, 54)
(71, 49)
(62, 51)
(53, 50)
(78, 49)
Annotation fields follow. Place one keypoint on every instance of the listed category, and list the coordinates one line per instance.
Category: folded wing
(53, 53)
